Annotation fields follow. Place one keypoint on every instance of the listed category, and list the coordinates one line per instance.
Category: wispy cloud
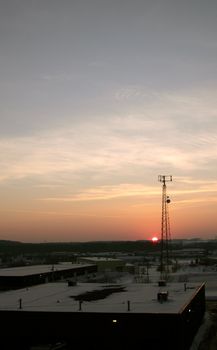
(194, 201)
(60, 214)
(201, 189)
(108, 192)
(120, 145)
(193, 104)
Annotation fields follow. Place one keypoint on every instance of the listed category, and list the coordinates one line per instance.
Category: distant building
(104, 263)
(19, 277)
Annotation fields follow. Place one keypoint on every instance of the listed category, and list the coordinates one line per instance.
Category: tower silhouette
(165, 228)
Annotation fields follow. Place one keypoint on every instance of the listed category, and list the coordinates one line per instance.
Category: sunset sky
(98, 98)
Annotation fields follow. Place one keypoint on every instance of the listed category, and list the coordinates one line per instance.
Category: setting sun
(154, 239)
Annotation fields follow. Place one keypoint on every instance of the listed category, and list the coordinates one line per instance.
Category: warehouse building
(104, 263)
(103, 316)
(20, 277)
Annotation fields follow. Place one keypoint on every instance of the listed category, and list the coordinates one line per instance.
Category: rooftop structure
(143, 298)
(166, 316)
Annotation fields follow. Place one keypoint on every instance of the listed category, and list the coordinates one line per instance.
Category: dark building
(102, 316)
(20, 277)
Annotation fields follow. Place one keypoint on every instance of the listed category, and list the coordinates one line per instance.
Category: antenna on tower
(165, 228)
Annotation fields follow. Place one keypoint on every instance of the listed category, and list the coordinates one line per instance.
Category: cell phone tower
(165, 228)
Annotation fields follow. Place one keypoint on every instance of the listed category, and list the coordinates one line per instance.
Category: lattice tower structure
(165, 228)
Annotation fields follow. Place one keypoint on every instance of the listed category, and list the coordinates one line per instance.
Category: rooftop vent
(71, 283)
(162, 296)
(162, 283)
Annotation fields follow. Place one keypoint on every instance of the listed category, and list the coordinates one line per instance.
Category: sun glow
(155, 239)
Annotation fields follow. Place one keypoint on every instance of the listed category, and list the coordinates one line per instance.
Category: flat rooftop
(105, 298)
(38, 269)
(100, 259)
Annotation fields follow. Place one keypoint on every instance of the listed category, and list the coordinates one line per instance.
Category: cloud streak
(119, 146)
(109, 192)
(198, 188)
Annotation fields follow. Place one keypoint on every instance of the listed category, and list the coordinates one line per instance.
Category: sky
(98, 98)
